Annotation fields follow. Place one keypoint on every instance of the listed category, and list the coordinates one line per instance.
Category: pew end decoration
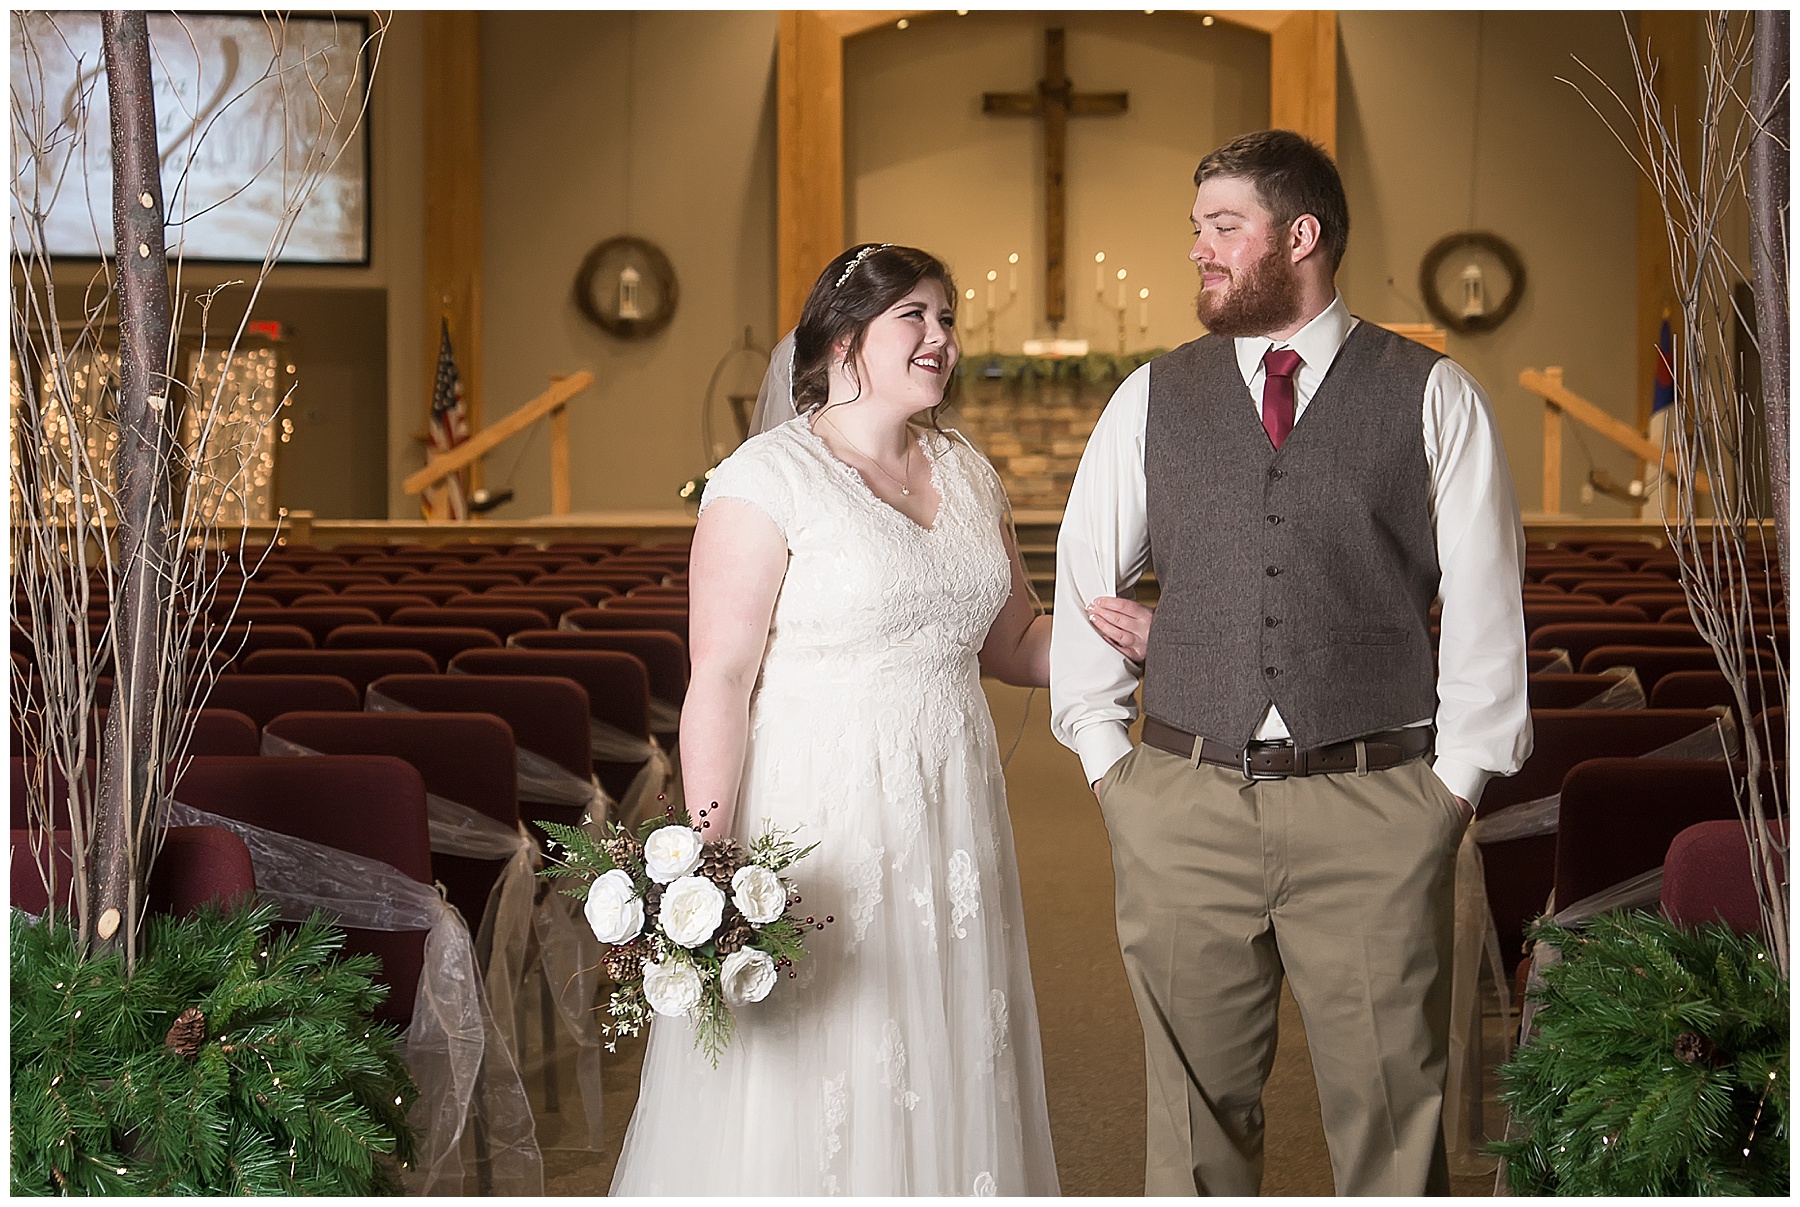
(236, 1059)
(692, 929)
(1659, 1066)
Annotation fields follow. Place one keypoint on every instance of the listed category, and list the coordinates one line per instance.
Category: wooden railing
(1560, 401)
(552, 402)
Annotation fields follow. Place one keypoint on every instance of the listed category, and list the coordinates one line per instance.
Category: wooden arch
(809, 191)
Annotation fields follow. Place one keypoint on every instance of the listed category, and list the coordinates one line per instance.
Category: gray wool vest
(1304, 577)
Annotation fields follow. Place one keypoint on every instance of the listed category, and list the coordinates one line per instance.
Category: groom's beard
(1264, 298)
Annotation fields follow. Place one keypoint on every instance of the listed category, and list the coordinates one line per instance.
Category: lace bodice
(867, 589)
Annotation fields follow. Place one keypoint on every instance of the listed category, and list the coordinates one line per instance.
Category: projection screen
(244, 104)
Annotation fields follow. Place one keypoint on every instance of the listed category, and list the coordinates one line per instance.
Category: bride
(853, 576)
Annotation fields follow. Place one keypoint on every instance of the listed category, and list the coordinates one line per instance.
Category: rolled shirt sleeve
(1102, 549)
(1483, 717)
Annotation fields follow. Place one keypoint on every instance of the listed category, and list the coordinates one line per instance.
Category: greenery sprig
(237, 1059)
(1094, 367)
(1659, 1067)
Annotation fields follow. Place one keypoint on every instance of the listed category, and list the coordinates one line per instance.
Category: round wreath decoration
(1495, 246)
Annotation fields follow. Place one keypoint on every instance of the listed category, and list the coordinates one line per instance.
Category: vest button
(1272, 571)
(1273, 519)
(1276, 474)
(1271, 621)
(1270, 671)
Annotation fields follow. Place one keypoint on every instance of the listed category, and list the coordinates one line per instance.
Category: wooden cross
(1055, 101)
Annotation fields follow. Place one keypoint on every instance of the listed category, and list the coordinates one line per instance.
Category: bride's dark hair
(845, 300)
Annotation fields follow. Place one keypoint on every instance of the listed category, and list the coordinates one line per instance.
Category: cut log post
(130, 777)
(1769, 75)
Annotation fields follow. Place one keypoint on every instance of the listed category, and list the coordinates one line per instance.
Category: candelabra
(1123, 307)
(993, 310)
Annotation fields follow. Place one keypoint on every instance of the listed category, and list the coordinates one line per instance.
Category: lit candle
(1012, 274)
(1121, 291)
(1100, 273)
(1143, 310)
(992, 277)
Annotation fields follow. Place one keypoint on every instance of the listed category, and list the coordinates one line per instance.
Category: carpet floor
(1093, 1048)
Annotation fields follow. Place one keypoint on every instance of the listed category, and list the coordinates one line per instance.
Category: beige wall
(700, 156)
(1548, 177)
(924, 165)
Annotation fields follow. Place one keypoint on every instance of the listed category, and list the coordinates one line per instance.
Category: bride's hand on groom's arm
(1124, 623)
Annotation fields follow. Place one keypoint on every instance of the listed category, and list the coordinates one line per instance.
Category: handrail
(1559, 400)
(442, 465)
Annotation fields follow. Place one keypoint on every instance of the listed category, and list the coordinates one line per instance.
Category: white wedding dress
(903, 1059)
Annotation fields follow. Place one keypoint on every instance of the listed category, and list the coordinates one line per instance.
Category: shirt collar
(1317, 343)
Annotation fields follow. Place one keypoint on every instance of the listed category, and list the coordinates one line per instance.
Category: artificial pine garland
(1659, 1067)
(1094, 367)
(237, 1059)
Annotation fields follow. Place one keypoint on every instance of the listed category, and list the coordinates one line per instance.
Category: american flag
(450, 424)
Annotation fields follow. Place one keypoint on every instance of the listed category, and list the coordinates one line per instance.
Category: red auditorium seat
(1539, 613)
(1653, 662)
(617, 686)
(1579, 637)
(548, 716)
(463, 757)
(1707, 687)
(618, 584)
(240, 639)
(551, 603)
(501, 621)
(318, 621)
(441, 644)
(473, 580)
(1566, 691)
(668, 620)
(1619, 817)
(360, 667)
(1707, 877)
(198, 866)
(664, 658)
(1521, 872)
(383, 606)
(369, 805)
(262, 698)
(430, 591)
(285, 591)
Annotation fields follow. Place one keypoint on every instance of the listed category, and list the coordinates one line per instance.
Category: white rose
(746, 976)
(614, 909)
(759, 894)
(671, 852)
(672, 987)
(692, 909)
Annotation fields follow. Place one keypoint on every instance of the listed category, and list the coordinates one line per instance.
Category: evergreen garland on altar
(238, 1058)
(1094, 367)
(1659, 1065)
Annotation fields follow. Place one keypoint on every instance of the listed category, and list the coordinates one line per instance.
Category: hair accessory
(857, 259)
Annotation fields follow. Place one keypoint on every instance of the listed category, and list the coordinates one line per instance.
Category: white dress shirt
(1483, 720)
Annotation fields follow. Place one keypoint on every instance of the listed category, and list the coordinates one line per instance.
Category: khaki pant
(1343, 883)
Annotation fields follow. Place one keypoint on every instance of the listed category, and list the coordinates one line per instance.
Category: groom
(1306, 485)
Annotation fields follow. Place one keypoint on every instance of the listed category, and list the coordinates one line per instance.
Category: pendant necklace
(905, 486)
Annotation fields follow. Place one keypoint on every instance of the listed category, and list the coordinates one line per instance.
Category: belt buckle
(1253, 776)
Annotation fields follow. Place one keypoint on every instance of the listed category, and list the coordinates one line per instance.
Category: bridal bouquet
(691, 927)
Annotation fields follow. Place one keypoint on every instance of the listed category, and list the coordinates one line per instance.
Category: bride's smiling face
(908, 351)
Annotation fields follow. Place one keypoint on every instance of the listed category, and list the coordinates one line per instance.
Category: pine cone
(719, 862)
(733, 938)
(625, 962)
(625, 851)
(186, 1033)
(1696, 1049)
(653, 900)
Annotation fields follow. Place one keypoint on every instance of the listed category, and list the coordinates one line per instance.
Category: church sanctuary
(415, 792)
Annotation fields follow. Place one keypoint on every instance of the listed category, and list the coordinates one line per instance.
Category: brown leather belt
(1278, 760)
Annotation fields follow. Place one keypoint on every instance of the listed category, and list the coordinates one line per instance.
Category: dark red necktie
(1279, 365)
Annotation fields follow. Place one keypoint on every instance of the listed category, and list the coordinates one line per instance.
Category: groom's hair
(1293, 175)
(856, 287)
